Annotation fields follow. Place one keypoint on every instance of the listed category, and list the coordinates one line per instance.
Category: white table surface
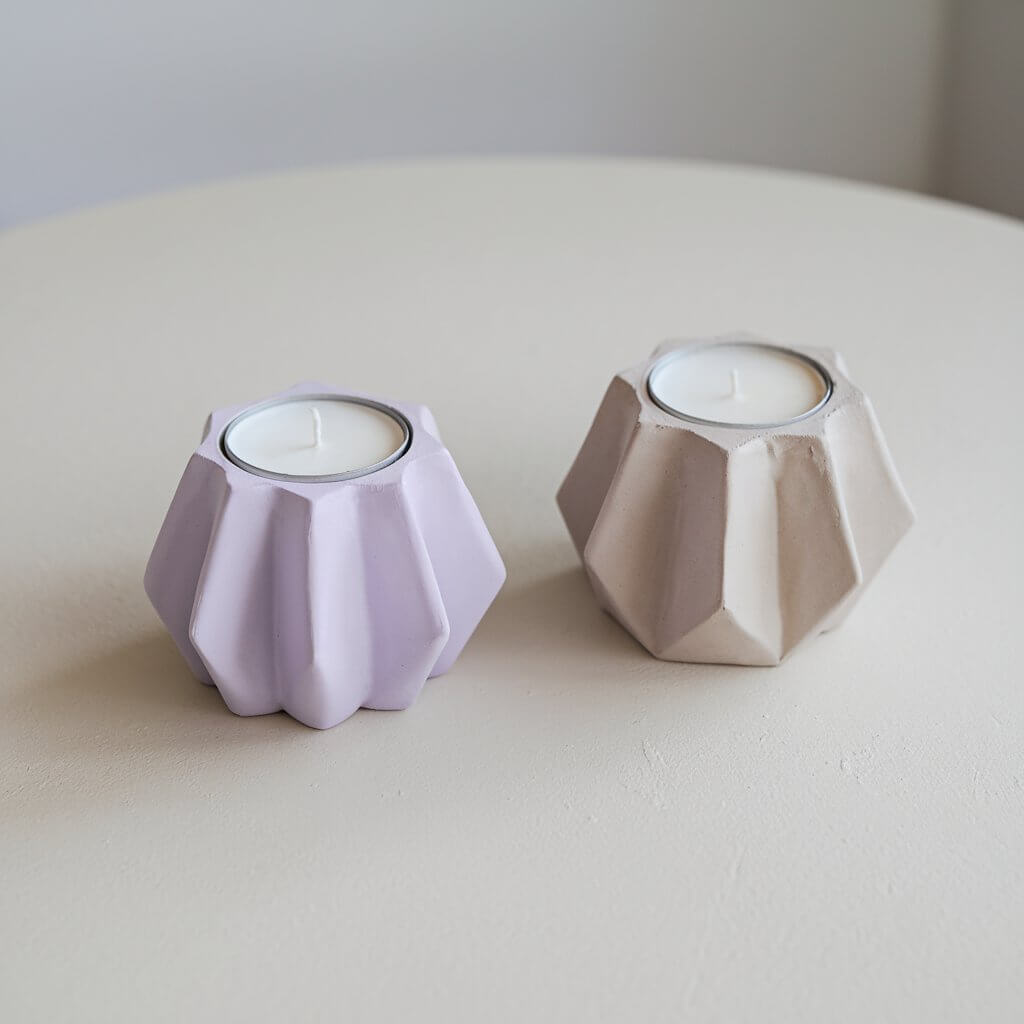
(562, 828)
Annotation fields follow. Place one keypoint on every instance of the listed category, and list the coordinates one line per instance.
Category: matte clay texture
(731, 544)
(322, 598)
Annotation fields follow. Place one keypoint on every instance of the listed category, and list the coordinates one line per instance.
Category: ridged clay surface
(732, 544)
(321, 598)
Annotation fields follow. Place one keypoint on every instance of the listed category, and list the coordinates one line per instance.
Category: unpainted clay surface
(321, 598)
(731, 544)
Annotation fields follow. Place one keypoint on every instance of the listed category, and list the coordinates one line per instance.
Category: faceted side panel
(817, 563)
(296, 549)
(750, 588)
(465, 562)
(583, 492)
(407, 626)
(721, 640)
(232, 626)
(694, 582)
(324, 639)
(876, 505)
(654, 554)
(176, 562)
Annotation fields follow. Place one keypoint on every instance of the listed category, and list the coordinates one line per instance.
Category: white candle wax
(738, 383)
(315, 436)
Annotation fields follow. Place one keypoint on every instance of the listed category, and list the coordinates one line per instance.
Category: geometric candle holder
(731, 542)
(318, 595)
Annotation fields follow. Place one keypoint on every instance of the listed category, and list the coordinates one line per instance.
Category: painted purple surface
(321, 598)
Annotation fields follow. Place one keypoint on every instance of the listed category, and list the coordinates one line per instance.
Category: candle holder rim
(685, 350)
(320, 396)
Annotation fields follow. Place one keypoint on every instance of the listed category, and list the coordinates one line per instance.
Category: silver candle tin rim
(320, 396)
(679, 353)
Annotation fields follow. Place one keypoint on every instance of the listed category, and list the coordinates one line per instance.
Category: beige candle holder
(720, 543)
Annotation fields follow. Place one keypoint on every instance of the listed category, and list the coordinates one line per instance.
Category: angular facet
(320, 598)
(714, 543)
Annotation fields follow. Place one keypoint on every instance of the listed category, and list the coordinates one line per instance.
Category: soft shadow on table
(112, 686)
(143, 676)
(557, 612)
(142, 686)
(555, 620)
(101, 730)
(550, 628)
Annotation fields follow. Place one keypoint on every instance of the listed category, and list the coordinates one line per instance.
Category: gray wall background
(100, 100)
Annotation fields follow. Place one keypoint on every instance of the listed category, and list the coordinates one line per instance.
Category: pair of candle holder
(322, 552)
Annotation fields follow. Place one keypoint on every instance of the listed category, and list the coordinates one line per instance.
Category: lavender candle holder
(318, 593)
(733, 498)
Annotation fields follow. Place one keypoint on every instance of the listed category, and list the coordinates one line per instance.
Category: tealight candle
(739, 383)
(316, 437)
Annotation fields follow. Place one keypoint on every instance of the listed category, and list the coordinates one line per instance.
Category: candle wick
(734, 384)
(318, 428)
